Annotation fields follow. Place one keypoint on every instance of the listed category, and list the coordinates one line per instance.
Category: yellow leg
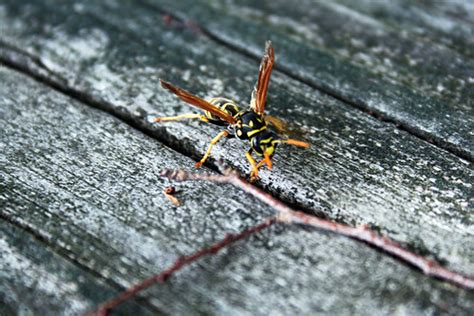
(254, 173)
(213, 142)
(252, 161)
(181, 117)
(255, 166)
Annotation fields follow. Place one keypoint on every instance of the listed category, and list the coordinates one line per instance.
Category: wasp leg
(182, 117)
(267, 160)
(253, 164)
(213, 142)
(249, 157)
(254, 174)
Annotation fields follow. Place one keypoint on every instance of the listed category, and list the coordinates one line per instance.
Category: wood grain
(86, 183)
(81, 187)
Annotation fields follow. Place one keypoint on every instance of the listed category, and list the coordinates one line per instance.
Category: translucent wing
(285, 128)
(197, 101)
(280, 125)
(259, 93)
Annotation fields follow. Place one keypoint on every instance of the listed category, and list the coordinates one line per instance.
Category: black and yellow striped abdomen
(225, 105)
(264, 142)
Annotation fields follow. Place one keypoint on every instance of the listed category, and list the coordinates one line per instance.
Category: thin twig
(286, 214)
(106, 307)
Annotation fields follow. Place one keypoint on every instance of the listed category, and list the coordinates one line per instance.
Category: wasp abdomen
(224, 104)
(264, 142)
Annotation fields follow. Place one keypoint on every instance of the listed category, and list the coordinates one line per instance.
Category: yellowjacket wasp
(246, 124)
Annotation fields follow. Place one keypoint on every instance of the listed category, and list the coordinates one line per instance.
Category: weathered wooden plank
(447, 22)
(330, 281)
(359, 170)
(86, 184)
(76, 166)
(89, 185)
(419, 83)
(34, 280)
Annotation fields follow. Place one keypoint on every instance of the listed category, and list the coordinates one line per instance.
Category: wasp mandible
(246, 124)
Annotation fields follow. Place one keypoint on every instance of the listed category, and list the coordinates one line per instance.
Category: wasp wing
(197, 101)
(259, 93)
(280, 125)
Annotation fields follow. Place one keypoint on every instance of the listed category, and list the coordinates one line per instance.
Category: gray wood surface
(34, 280)
(450, 23)
(86, 184)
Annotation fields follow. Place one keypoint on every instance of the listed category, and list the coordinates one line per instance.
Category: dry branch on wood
(285, 214)
(105, 308)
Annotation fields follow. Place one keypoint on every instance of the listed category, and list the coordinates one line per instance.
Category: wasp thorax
(264, 142)
(249, 124)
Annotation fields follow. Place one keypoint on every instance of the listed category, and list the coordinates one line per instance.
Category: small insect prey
(248, 124)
